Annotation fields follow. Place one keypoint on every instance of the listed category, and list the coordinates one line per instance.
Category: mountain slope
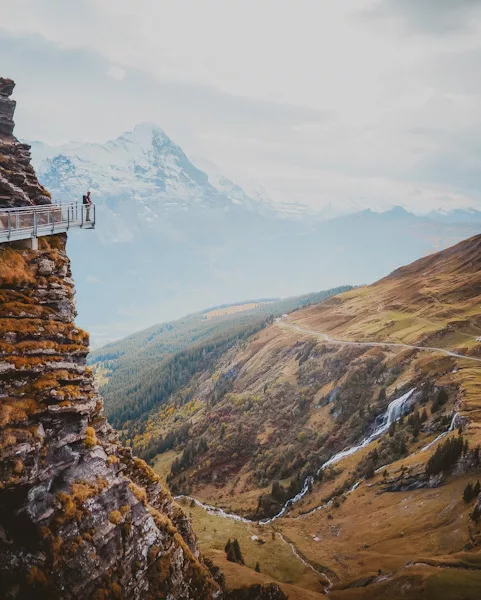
(335, 377)
(142, 371)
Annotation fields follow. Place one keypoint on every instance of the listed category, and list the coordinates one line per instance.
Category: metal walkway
(32, 222)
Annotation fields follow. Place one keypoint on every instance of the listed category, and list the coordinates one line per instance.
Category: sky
(354, 103)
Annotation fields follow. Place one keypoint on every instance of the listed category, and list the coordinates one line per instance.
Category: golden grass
(384, 531)
(138, 492)
(14, 269)
(115, 517)
(162, 464)
(229, 310)
(90, 437)
(277, 562)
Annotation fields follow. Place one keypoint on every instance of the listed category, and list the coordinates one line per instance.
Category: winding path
(326, 338)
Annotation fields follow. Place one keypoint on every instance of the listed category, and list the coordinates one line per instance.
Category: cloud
(429, 16)
(308, 99)
(116, 73)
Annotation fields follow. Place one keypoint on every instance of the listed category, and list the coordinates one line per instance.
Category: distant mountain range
(173, 237)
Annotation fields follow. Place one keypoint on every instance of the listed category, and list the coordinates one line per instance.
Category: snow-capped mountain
(175, 235)
(458, 215)
(143, 165)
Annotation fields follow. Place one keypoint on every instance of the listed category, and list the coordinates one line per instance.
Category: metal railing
(35, 221)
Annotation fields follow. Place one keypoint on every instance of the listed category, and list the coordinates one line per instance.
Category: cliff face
(79, 516)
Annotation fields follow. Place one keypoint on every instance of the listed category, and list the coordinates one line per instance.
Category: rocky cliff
(79, 516)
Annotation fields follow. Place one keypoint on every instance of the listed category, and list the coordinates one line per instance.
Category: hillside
(388, 373)
(142, 371)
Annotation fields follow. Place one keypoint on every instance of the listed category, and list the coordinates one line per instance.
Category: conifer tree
(468, 492)
(231, 554)
(237, 551)
(258, 567)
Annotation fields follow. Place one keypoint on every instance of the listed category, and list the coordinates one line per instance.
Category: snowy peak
(146, 167)
(143, 165)
(457, 215)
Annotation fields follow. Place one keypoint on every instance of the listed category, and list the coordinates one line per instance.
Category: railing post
(34, 224)
(68, 217)
(81, 215)
(9, 226)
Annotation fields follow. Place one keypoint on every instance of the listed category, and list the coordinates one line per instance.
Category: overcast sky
(373, 102)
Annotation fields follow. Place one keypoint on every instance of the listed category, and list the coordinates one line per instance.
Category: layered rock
(7, 106)
(79, 516)
(18, 183)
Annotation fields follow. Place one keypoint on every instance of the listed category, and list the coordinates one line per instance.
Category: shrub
(115, 517)
(468, 493)
(471, 491)
(476, 513)
(138, 492)
(90, 437)
(237, 551)
(370, 470)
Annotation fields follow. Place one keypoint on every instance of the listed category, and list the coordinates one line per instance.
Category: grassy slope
(433, 302)
(124, 368)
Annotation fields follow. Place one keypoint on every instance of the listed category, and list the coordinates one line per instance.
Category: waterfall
(395, 410)
(305, 488)
(444, 434)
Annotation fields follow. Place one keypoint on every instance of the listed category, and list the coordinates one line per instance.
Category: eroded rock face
(18, 183)
(7, 106)
(79, 516)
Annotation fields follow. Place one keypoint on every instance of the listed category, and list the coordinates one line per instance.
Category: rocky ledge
(79, 516)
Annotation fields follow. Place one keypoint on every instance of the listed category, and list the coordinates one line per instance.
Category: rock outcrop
(18, 183)
(7, 106)
(79, 516)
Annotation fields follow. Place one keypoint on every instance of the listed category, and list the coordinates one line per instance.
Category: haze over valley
(173, 239)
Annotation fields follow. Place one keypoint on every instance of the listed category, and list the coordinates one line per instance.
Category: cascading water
(305, 488)
(442, 435)
(395, 410)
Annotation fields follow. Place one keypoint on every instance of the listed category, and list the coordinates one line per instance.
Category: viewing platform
(31, 222)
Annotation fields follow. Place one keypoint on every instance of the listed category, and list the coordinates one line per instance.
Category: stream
(395, 410)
